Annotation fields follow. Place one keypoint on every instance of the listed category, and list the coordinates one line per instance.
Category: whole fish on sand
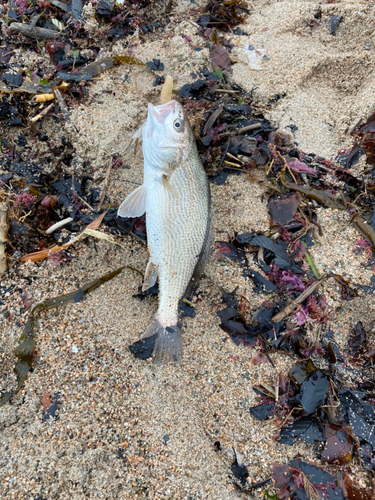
(175, 195)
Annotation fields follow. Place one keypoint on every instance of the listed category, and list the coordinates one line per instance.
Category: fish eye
(178, 125)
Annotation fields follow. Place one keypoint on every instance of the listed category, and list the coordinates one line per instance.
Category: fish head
(167, 136)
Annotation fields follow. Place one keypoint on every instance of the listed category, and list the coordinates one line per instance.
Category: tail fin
(168, 343)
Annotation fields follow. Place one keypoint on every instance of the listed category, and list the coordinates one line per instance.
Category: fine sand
(126, 429)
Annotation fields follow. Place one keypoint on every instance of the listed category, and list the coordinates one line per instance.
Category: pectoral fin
(151, 276)
(134, 204)
(167, 185)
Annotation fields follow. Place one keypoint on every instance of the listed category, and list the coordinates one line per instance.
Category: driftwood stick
(41, 114)
(4, 226)
(254, 126)
(34, 32)
(289, 308)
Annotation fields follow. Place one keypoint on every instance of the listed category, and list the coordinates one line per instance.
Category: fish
(175, 196)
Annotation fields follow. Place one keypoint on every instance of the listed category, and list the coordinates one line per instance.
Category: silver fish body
(176, 198)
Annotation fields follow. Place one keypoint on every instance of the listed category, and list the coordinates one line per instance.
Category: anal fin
(151, 275)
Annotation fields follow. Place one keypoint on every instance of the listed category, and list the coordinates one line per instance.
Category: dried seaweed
(97, 67)
(357, 342)
(314, 391)
(283, 210)
(307, 428)
(50, 412)
(223, 15)
(239, 471)
(143, 349)
(220, 58)
(281, 257)
(304, 481)
(263, 411)
(339, 444)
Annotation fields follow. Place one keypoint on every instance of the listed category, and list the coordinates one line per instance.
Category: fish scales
(175, 196)
(175, 233)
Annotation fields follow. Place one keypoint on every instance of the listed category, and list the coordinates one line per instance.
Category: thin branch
(34, 32)
(289, 308)
(41, 114)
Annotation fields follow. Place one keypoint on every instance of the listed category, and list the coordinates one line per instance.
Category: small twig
(188, 302)
(235, 158)
(59, 224)
(85, 202)
(233, 164)
(322, 167)
(277, 389)
(287, 166)
(305, 179)
(34, 32)
(106, 182)
(289, 308)
(192, 23)
(301, 234)
(73, 186)
(265, 350)
(8, 53)
(261, 256)
(297, 408)
(41, 114)
(243, 170)
(254, 126)
(22, 219)
(269, 168)
(137, 237)
(227, 91)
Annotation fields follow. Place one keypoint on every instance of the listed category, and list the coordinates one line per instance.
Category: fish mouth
(160, 113)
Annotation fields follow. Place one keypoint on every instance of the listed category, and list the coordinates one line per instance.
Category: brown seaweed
(347, 293)
(329, 200)
(97, 67)
(365, 229)
(325, 197)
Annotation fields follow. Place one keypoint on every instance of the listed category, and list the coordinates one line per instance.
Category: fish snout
(158, 114)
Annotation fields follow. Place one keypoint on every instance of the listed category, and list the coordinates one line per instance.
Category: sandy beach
(125, 428)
